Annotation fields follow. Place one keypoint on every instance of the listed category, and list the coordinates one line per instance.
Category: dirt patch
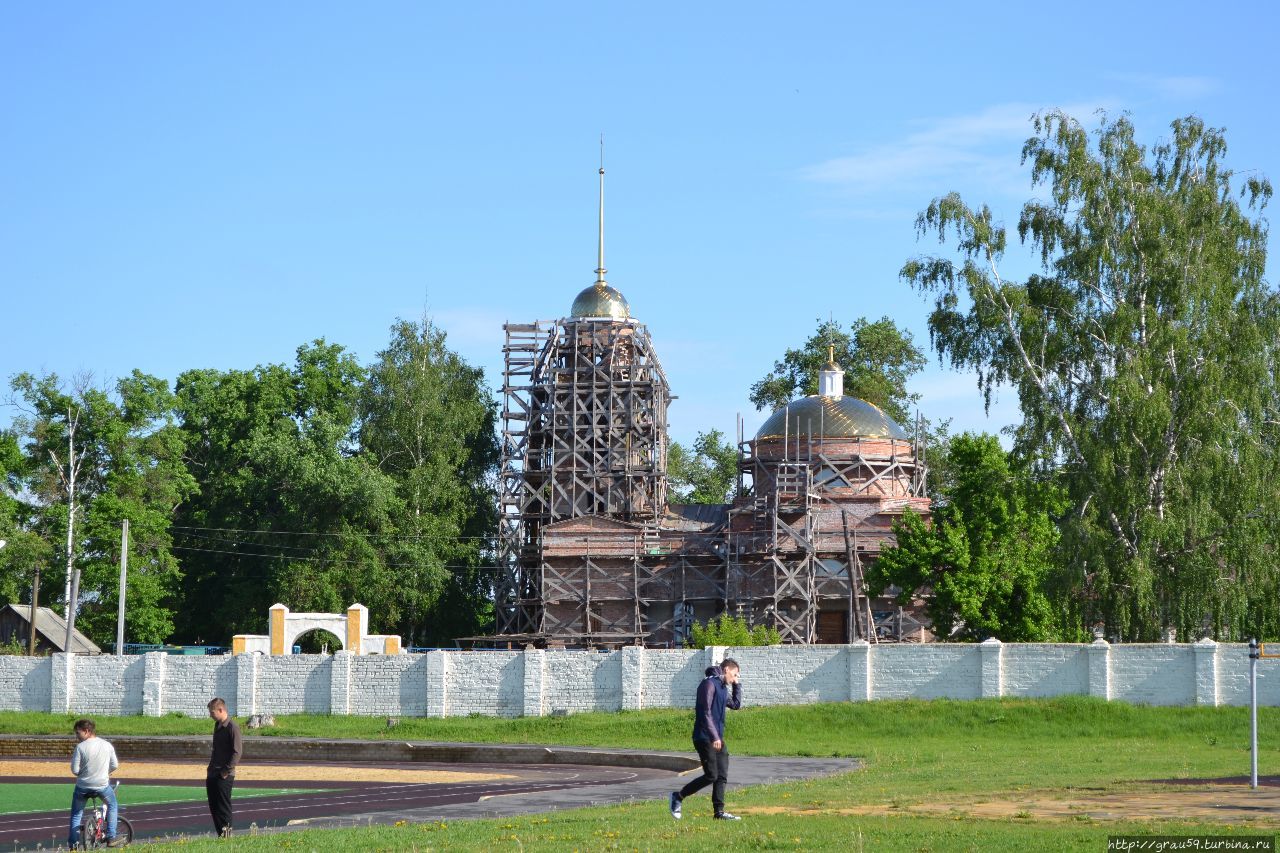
(195, 772)
(1220, 804)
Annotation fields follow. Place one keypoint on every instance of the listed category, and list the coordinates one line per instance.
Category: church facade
(593, 554)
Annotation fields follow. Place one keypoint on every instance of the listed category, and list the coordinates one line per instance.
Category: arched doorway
(317, 641)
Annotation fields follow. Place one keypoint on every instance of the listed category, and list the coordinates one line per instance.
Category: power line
(324, 559)
(317, 533)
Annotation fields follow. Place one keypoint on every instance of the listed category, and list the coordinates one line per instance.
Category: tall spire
(600, 270)
(598, 299)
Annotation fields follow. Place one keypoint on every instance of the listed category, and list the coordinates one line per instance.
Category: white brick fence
(537, 682)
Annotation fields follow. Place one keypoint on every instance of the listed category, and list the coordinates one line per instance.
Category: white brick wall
(669, 677)
(190, 682)
(394, 685)
(810, 674)
(582, 681)
(293, 684)
(926, 672)
(1048, 669)
(24, 683)
(489, 683)
(107, 685)
(511, 683)
(1154, 674)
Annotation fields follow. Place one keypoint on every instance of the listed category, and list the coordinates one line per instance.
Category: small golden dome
(600, 300)
(832, 417)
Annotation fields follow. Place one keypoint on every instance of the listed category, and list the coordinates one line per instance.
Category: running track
(26, 831)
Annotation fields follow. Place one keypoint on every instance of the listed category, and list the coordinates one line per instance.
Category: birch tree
(1142, 351)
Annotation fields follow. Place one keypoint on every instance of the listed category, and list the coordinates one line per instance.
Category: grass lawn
(927, 765)
(16, 797)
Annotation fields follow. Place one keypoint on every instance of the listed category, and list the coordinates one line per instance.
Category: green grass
(18, 797)
(915, 752)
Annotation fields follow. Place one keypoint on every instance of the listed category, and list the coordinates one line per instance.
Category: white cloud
(471, 327)
(1172, 87)
(980, 147)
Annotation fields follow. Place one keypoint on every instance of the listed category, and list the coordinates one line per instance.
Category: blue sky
(191, 186)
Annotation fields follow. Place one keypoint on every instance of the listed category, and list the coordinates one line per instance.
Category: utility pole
(35, 608)
(1255, 652)
(124, 571)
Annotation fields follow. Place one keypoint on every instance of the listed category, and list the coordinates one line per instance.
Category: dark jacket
(708, 710)
(227, 744)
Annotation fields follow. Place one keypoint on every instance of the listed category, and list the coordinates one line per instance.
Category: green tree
(288, 509)
(25, 547)
(733, 631)
(427, 422)
(987, 557)
(705, 474)
(878, 358)
(1143, 355)
(93, 459)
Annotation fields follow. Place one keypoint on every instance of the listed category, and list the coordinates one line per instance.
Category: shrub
(726, 630)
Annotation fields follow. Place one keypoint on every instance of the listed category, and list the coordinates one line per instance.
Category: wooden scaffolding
(584, 435)
(591, 553)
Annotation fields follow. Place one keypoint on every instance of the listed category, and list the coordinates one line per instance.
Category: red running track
(27, 831)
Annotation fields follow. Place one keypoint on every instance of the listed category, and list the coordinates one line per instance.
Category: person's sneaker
(675, 805)
(727, 816)
(117, 842)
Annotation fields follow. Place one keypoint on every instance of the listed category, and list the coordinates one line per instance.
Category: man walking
(92, 762)
(719, 690)
(221, 774)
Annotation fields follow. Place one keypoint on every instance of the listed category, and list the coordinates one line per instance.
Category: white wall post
(715, 654)
(437, 699)
(60, 682)
(153, 666)
(992, 651)
(1206, 652)
(535, 661)
(340, 682)
(246, 685)
(1100, 669)
(859, 654)
(631, 662)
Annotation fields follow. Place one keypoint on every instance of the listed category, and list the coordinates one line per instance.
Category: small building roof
(51, 626)
(696, 517)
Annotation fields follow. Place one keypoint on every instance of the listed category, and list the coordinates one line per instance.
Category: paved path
(526, 789)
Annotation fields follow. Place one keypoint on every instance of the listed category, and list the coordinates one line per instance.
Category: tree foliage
(1143, 355)
(427, 422)
(733, 631)
(707, 473)
(325, 483)
(878, 358)
(129, 464)
(987, 556)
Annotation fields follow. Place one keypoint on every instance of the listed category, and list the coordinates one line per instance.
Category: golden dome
(600, 300)
(832, 417)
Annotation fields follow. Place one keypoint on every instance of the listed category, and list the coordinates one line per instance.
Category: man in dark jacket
(223, 758)
(719, 690)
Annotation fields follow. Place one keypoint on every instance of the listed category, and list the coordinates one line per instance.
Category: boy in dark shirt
(221, 774)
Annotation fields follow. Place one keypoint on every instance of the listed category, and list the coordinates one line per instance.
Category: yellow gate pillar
(276, 631)
(357, 627)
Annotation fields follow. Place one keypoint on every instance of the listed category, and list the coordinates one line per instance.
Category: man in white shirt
(92, 762)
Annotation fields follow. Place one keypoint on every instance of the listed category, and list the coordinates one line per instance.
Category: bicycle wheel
(89, 832)
(124, 830)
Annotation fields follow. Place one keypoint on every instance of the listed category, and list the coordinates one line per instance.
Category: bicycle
(93, 827)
